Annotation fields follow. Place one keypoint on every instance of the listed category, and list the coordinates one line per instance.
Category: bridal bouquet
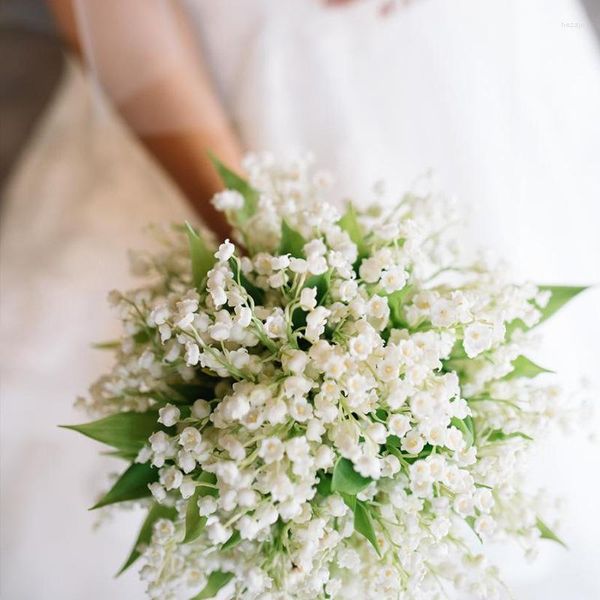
(336, 406)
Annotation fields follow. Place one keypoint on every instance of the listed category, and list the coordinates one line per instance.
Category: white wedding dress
(499, 98)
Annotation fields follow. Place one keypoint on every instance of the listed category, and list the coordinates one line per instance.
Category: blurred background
(77, 190)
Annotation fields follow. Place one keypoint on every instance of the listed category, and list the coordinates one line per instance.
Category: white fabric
(498, 97)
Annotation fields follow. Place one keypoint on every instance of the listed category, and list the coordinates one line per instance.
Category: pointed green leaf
(126, 431)
(468, 420)
(467, 427)
(194, 522)
(128, 456)
(233, 181)
(155, 513)
(393, 441)
(207, 478)
(513, 326)
(346, 480)
(363, 524)
(291, 241)
(547, 534)
(349, 501)
(142, 336)
(216, 581)
(396, 301)
(349, 223)
(131, 485)
(497, 435)
(523, 367)
(471, 523)
(113, 345)
(561, 294)
(324, 485)
(202, 258)
(234, 540)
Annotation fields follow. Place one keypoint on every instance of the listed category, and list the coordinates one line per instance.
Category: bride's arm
(148, 64)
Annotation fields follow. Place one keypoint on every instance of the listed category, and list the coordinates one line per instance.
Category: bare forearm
(149, 66)
(184, 155)
(183, 149)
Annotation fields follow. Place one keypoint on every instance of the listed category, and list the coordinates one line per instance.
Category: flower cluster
(336, 406)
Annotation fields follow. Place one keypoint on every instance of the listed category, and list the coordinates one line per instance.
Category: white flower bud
(200, 409)
(168, 415)
(225, 251)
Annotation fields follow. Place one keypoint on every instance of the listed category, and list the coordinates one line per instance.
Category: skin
(149, 66)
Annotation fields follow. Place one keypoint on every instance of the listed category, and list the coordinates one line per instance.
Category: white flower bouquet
(336, 408)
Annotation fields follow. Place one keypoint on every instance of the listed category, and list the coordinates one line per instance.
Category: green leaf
(349, 223)
(113, 345)
(233, 181)
(291, 241)
(467, 427)
(209, 478)
(471, 523)
(382, 414)
(513, 326)
(126, 431)
(470, 425)
(154, 514)
(349, 501)
(396, 301)
(523, 367)
(142, 336)
(346, 480)
(363, 524)
(202, 258)
(497, 435)
(561, 294)
(216, 580)
(547, 534)
(131, 485)
(234, 540)
(324, 485)
(458, 351)
(393, 441)
(194, 522)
